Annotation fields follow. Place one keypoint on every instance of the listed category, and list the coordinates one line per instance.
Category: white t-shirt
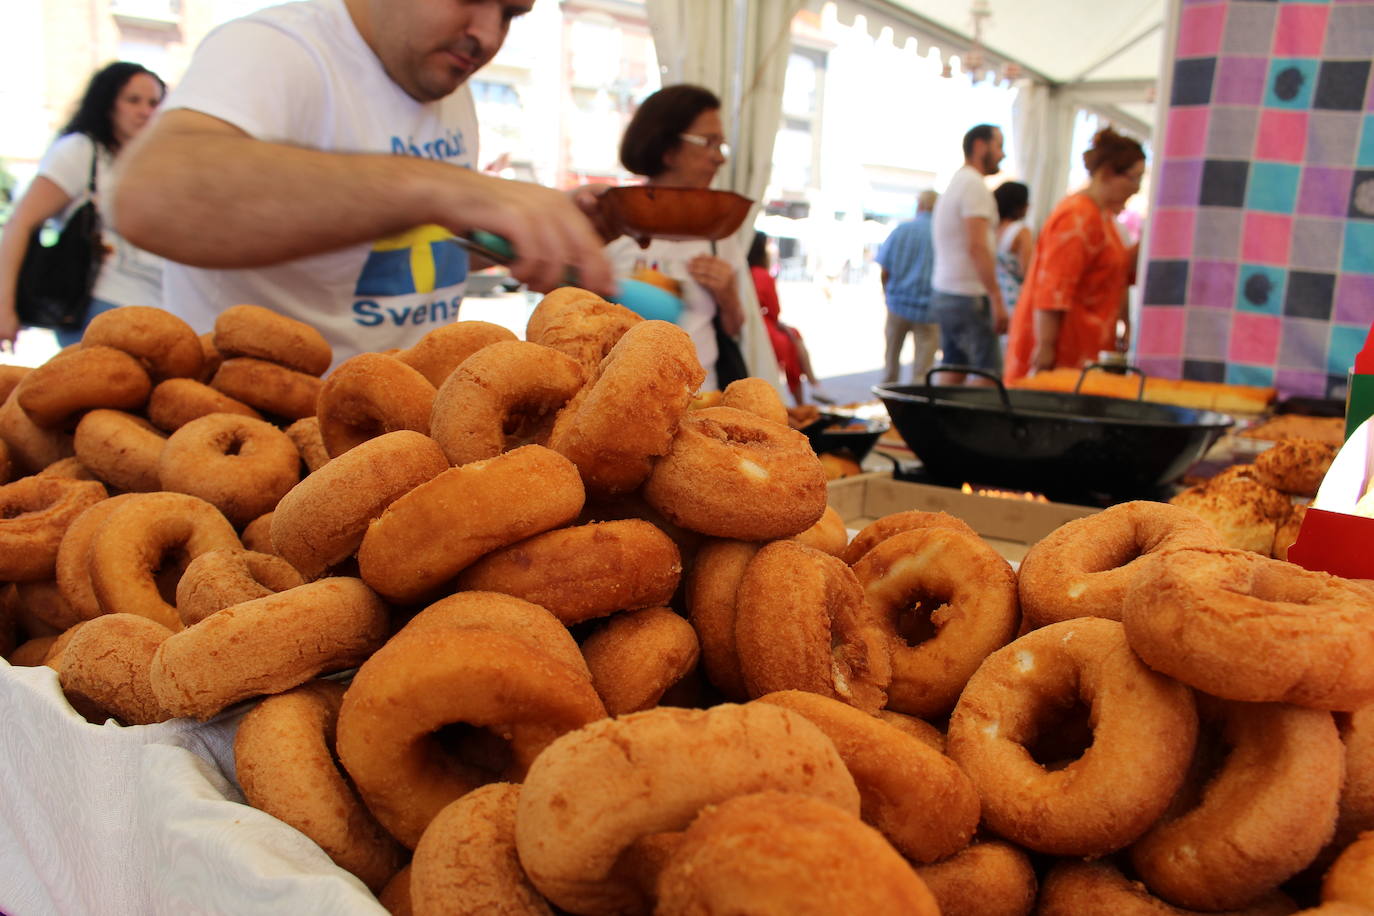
(129, 275)
(966, 197)
(301, 74)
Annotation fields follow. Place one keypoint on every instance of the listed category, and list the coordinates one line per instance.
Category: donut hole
(470, 747)
(916, 622)
(1060, 733)
(231, 443)
(166, 570)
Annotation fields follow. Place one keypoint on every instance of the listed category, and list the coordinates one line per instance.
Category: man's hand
(588, 200)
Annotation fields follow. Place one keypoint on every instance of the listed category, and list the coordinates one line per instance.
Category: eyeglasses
(716, 143)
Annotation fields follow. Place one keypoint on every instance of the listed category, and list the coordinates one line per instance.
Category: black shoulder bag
(730, 364)
(55, 281)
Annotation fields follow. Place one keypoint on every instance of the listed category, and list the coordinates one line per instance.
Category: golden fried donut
(321, 522)
(140, 550)
(583, 572)
(120, 448)
(919, 729)
(105, 669)
(268, 387)
(443, 349)
(1357, 794)
(637, 655)
(31, 652)
(432, 533)
(396, 895)
(917, 797)
(41, 606)
(944, 601)
(1243, 511)
(34, 514)
(81, 379)
(305, 433)
(579, 324)
(72, 570)
(755, 396)
(1099, 889)
(528, 622)
(368, 395)
(466, 861)
(1351, 877)
(69, 468)
(1144, 727)
(9, 620)
(166, 345)
(177, 401)
(800, 624)
(10, 377)
(55, 657)
(595, 791)
(1245, 627)
(828, 535)
(31, 447)
(731, 474)
(876, 532)
(251, 330)
(991, 878)
(1287, 534)
(268, 645)
(6, 466)
(210, 357)
(429, 677)
(284, 761)
(1085, 567)
(712, 587)
(626, 416)
(503, 396)
(1295, 465)
(257, 535)
(781, 854)
(218, 579)
(240, 465)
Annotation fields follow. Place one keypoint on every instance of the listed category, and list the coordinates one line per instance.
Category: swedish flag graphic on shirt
(419, 260)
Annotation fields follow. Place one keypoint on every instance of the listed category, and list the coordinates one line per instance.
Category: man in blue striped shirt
(907, 258)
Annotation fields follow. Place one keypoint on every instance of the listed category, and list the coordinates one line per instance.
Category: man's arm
(198, 190)
(980, 252)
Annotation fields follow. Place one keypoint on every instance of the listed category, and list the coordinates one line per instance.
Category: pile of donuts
(527, 628)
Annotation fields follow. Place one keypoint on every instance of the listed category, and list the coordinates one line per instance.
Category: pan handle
(1140, 392)
(970, 370)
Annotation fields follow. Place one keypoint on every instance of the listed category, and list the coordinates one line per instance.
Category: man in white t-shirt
(318, 158)
(965, 297)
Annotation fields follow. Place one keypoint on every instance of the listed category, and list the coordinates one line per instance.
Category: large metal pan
(1062, 445)
(646, 212)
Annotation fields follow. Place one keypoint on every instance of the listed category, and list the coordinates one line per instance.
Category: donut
(876, 532)
(41, 606)
(466, 861)
(1144, 728)
(31, 448)
(253, 331)
(105, 669)
(636, 656)
(268, 645)
(177, 401)
(34, 514)
(580, 325)
(990, 878)
(429, 677)
(257, 535)
(9, 619)
(626, 415)
(828, 535)
(445, 348)
(268, 387)
(210, 357)
(78, 380)
(68, 468)
(1099, 889)
(72, 569)
(143, 546)
(6, 466)
(755, 396)
(1357, 794)
(915, 796)
(530, 623)
(731, 474)
(594, 791)
(305, 433)
(1245, 627)
(10, 377)
(284, 762)
(1351, 877)
(800, 625)
(368, 395)
(56, 655)
(556, 302)
(1295, 465)
(583, 572)
(1085, 567)
(944, 601)
(1287, 533)
(712, 585)
(31, 652)
(919, 729)
(503, 396)
(120, 448)
(1268, 809)
(396, 895)
(240, 465)
(218, 579)
(1243, 511)
(781, 853)
(321, 521)
(432, 533)
(166, 345)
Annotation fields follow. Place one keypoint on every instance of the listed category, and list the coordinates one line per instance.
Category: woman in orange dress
(1072, 296)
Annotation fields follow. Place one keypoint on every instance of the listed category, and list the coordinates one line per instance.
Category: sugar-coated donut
(368, 395)
(166, 345)
(240, 465)
(781, 854)
(755, 396)
(31, 447)
(876, 532)
(1351, 877)
(284, 761)
(828, 535)
(251, 330)
(268, 387)
(595, 791)
(1245, 627)
(712, 587)
(579, 324)
(636, 656)
(430, 534)
(72, 571)
(218, 579)
(177, 401)
(1099, 889)
(732, 474)
(268, 645)
(990, 878)
(443, 349)
(1295, 465)
(120, 448)
(80, 379)
(35, 513)
(501, 397)
(105, 669)
(1144, 728)
(305, 433)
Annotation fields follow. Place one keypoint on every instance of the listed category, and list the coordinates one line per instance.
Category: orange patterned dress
(1079, 268)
